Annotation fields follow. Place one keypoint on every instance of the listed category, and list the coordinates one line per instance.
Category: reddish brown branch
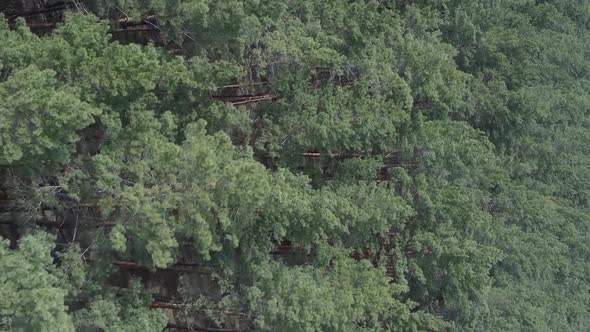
(199, 329)
(242, 85)
(245, 99)
(125, 22)
(134, 29)
(41, 26)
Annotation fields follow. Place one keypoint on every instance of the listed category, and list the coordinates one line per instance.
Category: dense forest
(295, 165)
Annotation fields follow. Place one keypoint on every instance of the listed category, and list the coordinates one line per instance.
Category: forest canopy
(302, 165)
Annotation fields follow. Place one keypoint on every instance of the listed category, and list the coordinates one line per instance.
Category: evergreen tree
(295, 166)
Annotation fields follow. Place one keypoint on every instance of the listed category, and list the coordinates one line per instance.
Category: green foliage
(129, 312)
(38, 121)
(349, 296)
(473, 116)
(32, 294)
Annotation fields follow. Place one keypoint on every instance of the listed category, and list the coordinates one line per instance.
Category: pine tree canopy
(301, 165)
